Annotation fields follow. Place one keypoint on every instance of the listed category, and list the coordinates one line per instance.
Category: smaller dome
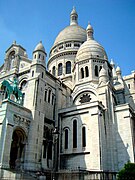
(90, 47)
(39, 47)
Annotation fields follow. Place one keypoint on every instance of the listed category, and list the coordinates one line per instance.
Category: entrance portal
(17, 148)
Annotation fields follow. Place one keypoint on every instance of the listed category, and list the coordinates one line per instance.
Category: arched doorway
(17, 148)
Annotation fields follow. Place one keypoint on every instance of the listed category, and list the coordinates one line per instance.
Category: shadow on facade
(17, 148)
(125, 128)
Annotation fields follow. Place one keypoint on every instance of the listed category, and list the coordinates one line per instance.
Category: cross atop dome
(74, 17)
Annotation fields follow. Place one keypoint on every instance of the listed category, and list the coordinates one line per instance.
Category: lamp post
(55, 134)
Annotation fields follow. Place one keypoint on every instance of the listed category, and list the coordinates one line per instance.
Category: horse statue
(9, 89)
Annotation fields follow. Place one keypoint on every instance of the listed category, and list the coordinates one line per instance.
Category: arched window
(12, 55)
(68, 67)
(45, 97)
(49, 153)
(49, 95)
(12, 59)
(42, 75)
(74, 134)
(83, 137)
(82, 73)
(53, 70)
(100, 68)
(86, 71)
(44, 150)
(66, 139)
(32, 73)
(96, 71)
(60, 69)
(52, 99)
(23, 85)
(39, 56)
(35, 56)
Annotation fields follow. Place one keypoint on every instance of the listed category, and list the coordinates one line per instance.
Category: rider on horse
(15, 84)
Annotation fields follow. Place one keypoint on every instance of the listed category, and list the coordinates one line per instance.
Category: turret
(103, 77)
(118, 72)
(113, 69)
(39, 54)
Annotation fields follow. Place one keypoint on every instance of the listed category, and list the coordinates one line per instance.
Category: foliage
(128, 172)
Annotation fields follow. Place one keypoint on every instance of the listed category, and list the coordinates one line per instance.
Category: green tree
(127, 173)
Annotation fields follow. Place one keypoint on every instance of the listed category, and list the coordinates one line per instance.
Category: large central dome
(63, 52)
(70, 38)
(72, 32)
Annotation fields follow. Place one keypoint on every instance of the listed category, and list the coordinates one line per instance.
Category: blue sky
(29, 21)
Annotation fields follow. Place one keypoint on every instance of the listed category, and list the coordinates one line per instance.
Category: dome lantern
(73, 17)
(89, 32)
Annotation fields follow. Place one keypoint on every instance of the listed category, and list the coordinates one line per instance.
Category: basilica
(75, 111)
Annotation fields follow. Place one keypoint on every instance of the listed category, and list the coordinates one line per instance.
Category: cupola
(73, 17)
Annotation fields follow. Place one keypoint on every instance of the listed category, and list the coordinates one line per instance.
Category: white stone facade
(81, 93)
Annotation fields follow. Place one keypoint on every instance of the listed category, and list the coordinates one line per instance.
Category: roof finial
(73, 17)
